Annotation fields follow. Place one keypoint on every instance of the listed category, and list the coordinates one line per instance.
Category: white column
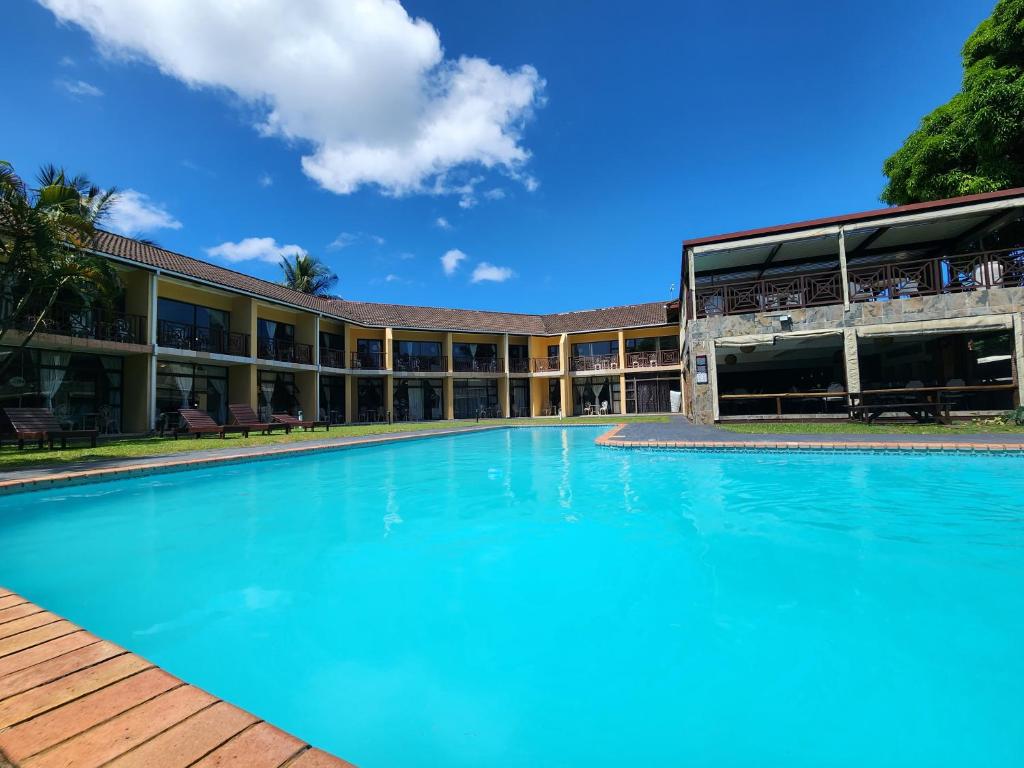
(1018, 346)
(713, 378)
(154, 282)
(507, 405)
(693, 282)
(842, 269)
(852, 360)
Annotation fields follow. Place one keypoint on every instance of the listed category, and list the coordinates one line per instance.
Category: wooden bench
(245, 416)
(921, 411)
(39, 424)
(306, 424)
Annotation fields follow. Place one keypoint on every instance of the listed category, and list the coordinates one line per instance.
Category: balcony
(887, 281)
(665, 357)
(197, 339)
(373, 361)
(595, 363)
(518, 365)
(332, 358)
(86, 323)
(546, 364)
(421, 363)
(285, 351)
(479, 364)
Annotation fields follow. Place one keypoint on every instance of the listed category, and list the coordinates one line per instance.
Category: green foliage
(308, 274)
(975, 142)
(45, 231)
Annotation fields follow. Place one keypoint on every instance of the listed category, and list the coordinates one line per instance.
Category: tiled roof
(378, 314)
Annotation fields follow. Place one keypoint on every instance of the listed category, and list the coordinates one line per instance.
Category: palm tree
(308, 274)
(44, 233)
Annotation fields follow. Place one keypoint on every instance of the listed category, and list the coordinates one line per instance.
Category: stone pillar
(1018, 358)
(852, 359)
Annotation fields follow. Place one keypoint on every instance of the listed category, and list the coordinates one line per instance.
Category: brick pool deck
(679, 433)
(68, 698)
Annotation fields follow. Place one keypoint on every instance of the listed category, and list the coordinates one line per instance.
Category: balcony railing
(595, 363)
(421, 363)
(943, 274)
(198, 339)
(771, 294)
(875, 282)
(285, 351)
(518, 365)
(479, 364)
(86, 323)
(652, 359)
(374, 361)
(546, 364)
(332, 358)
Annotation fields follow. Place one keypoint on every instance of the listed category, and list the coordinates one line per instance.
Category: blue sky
(563, 150)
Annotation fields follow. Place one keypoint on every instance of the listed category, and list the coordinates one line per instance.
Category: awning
(758, 339)
(936, 327)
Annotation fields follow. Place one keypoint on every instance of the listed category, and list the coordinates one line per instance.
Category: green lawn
(12, 458)
(851, 427)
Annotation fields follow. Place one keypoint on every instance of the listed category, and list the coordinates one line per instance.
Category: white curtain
(51, 375)
(184, 384)
(267, 388)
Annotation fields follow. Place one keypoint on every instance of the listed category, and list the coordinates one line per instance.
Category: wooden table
(778, 397)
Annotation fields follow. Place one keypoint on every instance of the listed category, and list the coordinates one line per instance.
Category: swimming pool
(523, 597)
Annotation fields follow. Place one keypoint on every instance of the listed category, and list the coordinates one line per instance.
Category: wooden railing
(546, 364)
(332, 358)
(663, 357)
(594, 362)
(771, 294)
(199, 339)
(374, 361)
(421, 363)
(933, 276)
(518, 365)
(86, 323)
(479, 364)
(285, 351)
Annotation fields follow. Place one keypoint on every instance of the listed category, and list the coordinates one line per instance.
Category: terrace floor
(69, 698)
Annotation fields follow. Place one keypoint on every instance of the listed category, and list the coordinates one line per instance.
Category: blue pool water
(524, 598)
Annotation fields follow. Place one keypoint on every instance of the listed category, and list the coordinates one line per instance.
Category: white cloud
(377, 239)
(79, 88)
(442, 223)
(392, 278)
(66, 61)
(265, 179)
(360, 81)
(254, 249)
(134, 213)
(490, 273)
(495, 194)
(345, 239)
(406, 256)
(451, 260)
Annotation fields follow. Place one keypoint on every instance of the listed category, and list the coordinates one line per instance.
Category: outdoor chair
(306, 424)
(199, 423)
(39, 424)
(245, 416)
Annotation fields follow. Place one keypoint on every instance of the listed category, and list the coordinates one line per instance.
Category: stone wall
(700, 334)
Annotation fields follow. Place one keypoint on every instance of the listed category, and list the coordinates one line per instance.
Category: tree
(44, 233)
(308, 274)
(975, 142)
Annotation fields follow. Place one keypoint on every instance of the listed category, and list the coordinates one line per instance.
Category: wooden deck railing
(332, 358)
(373, 361)
(664, 357)
(545, 364)
(519, 365)
(594, 362)
(933, 276)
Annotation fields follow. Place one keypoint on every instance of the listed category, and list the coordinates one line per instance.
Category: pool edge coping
(610, 439)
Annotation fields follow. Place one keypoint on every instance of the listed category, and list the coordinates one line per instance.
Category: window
(332, 350)
(475, 397)
(370, 399)
(417, 355)
(518, 358)
(369, 354)
(276, 341)
(649, 392)
(277, 394)
(83, 391)
(475, 357)
(595, 348)
(192, 326)
(332, 399)
(418, 399)
(596, 393)
(519, 397)
(184, 385)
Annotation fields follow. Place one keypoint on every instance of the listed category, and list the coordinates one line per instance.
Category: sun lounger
(308, 424)
(199, 423)
(245, 416)
(39, 424)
